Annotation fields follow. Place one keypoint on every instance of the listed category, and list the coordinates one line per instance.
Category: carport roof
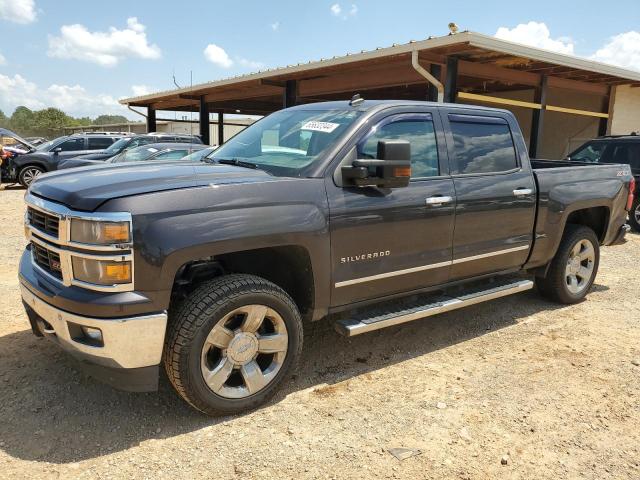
(479, 56)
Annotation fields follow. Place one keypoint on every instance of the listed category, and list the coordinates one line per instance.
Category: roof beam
(492, 72)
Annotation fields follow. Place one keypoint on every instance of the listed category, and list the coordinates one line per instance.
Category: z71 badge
(365, 256)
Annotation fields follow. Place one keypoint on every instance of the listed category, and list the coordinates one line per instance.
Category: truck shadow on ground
(50, 412)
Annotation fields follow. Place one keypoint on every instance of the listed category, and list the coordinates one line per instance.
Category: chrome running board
(397, 313)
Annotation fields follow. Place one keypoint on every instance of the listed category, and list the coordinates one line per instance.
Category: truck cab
(364, 214)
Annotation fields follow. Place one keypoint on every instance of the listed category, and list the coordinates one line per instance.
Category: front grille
(47, 260)
(44, 222)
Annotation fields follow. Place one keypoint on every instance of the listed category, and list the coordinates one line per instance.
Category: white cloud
(3, 61)
(103, 48)
(338, 11)
(250, 64)
(18, 11)
(536, 34)
(217, 56)
(140, 90)
(72, 99)
(275, 26)
(622, 50)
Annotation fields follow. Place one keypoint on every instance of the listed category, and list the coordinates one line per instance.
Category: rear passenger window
(482, 146)
(99, 143)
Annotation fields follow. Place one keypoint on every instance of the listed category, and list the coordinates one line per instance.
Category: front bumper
(131, 348)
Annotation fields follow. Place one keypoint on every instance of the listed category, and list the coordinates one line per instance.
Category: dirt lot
(554, 390)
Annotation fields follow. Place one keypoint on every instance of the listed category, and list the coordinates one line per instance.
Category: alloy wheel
(244, 351)
(580, 266)
(29, 174)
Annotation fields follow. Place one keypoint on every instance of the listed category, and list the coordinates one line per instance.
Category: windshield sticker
(325, 127)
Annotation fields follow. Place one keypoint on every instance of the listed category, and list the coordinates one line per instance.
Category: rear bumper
(128, 355)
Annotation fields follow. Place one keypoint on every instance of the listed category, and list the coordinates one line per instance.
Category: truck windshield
(286, 142)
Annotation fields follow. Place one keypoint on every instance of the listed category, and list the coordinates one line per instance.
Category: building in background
(231, 127)
(560, 100)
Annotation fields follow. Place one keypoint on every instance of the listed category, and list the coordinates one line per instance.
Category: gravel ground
(515, 388)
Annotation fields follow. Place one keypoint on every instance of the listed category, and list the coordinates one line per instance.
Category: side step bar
(407, 313)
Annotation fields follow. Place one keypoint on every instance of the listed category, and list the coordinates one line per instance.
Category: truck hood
(87, 188)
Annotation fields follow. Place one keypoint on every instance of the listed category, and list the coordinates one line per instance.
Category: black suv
(128, 143)
(615, 149)
(46, 157)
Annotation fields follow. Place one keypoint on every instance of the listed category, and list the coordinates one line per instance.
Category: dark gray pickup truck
(363, 214)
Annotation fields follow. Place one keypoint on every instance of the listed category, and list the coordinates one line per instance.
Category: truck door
(385, 241)
(495, 191)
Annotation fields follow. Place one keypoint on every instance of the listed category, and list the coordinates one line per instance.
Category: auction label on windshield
(326, 127)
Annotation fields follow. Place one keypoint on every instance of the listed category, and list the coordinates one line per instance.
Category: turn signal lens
(99, 233)
(101, 272)
(632, 190)
(402, 172)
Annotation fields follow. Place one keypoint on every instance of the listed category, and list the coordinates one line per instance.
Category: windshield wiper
(237, 162)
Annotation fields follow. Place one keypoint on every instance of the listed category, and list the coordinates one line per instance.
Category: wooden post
(537, 124)
(204, 121)
(451, 81)
(151, 119)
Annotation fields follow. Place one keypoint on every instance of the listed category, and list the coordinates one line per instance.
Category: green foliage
(109, 119)
(49, 122)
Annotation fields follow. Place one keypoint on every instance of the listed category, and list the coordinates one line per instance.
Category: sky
(82, 56)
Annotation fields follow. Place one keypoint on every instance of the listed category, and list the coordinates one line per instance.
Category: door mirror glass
(391, 168)
(57, 150)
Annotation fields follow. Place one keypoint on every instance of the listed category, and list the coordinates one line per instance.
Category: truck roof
(368, 105)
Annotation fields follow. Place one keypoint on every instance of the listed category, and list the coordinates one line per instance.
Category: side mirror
(57, 150)
(391, 168)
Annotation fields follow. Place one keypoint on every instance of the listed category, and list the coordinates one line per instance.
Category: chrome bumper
(132, 342)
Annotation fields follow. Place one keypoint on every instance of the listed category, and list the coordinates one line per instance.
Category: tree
(4, 121)
(22, 120)
(110, 119)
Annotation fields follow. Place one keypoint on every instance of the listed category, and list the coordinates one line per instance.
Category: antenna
(191, 91)
(356, 100)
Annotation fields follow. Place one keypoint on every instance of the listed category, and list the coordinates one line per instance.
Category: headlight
(101, 272)
(99, 233)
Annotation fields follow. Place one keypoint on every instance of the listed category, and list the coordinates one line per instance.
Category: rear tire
(574, 267)
(634, 215)
(28, 174)
(231, 343)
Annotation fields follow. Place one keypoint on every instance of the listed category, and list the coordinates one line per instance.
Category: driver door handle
(438, 200)
(521, 192)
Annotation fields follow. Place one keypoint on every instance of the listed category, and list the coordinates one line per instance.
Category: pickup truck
(365, 214)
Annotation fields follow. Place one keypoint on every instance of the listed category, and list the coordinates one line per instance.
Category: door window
(170, 155)
(419, 132)
(99, 143)
(482, 145)
(72, 145)
(627, 153)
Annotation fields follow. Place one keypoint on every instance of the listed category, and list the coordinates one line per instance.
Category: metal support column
(604, 124)
(220, 127)
(204, 121)
(151, 119)
(451, 81)
(537, 124)
(290, 94)
(432, 93)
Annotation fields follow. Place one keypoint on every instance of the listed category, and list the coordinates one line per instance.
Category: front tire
(28, 174)
(574, 267)
(231, 343)
(634, 215)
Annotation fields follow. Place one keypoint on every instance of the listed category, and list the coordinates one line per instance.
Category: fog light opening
(86, 335)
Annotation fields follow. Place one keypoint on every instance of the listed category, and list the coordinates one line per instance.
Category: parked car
(128, 143)
(200, 155)
(47, 156)
(13, 146)
(615, 149)
(152, 152)
(366, 215)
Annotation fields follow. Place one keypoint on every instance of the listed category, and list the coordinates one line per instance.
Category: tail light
(632, 190)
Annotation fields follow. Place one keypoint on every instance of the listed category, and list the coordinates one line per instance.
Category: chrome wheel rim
(244, 351)
(580, 266)
(636, 213)
(30, 174)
